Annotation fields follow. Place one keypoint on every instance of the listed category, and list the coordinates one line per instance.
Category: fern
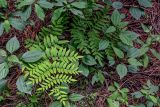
(58, 65)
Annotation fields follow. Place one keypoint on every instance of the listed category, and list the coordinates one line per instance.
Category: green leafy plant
(39, 6)
(118, 95)
(3, 3)
(8, 59)
(136, 11)
(149, 93)
(63, 6)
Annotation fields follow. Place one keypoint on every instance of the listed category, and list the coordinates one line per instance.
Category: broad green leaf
(27, 13)
(137, 94)
(113, 103)
(101, 77)
(77, 12)
(145, 28)
(145, 61)
(121, 70)
(25, 3)
(75, 97)
(111, 60)
(143, 50)
(55, 104)
(116, 18)
(45, 4)
(109, 2)
(89, 60)
(3, 3)
(79, 5)
(134, 62)
(153, 99)
(132, 68)
(3, 53)
(118, 52)
(117, 5)
(3, 83)
(126, 39)
(1, 29)
(23, 86)
(136, 12)
(4, 70)
(111, 29)
(6, 25)
(94, 79)
(32, 56)
(155, 53)
(17, 23)
(13, 58)
(145, 3)
(84, 70)
(103, 44)
(39, 11)
(12, 45)
(57, 13)
(133, 52)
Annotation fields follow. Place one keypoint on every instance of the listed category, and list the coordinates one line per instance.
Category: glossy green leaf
(17, 23)
(32, 56)
(84, 70)
(12, 45)
(136, 12)
(6, 25)
(57, 13)
(116, 18)
(23, 86)
(117, 5)
(118, 52)
(25, 3)
(121, 70)
(75, 97)
(45, 4)
(126, 39)
(89, 60)
(27, 13)
(55, 104)
(79, 5)
(145, 3)
(40, 12)
(103, 44)
(111, 29)
(4, 70)
(155, 53)
(134, 62)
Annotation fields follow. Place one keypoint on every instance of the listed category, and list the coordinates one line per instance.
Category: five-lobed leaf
(12, 45)
(121, 70)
